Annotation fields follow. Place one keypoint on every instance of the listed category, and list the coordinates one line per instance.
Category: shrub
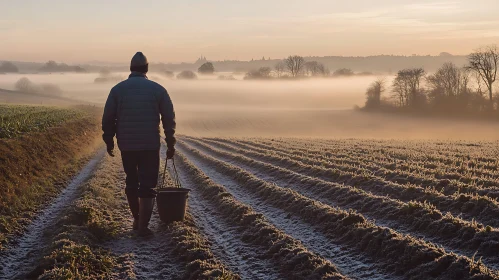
(206, 68)
(187, 75)
(262, 73)
(26, 86)
(343, 72)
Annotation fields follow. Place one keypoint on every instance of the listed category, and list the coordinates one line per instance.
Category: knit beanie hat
(139, 62)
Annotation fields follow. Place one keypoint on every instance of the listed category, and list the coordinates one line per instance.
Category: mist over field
(208, 93)
(280, 108)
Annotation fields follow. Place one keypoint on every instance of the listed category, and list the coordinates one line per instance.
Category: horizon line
(91, 63)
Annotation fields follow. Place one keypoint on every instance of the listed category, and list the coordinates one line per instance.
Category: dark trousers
(142, 170)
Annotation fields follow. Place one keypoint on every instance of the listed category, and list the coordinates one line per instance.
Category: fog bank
(303, 108)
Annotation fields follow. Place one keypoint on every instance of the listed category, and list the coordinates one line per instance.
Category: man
(132, 113)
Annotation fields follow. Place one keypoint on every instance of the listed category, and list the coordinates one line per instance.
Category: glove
(110, 150)
(170, 153)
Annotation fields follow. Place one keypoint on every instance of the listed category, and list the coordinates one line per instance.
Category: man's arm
(168, 119)
(109, 120)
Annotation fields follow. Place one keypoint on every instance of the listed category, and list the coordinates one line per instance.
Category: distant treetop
(206, 68)
(52, 66)
(8, 67)
(187, 75)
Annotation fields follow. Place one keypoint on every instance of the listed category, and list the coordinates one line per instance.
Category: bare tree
(449, 88)
(265, 72)
(279, 68)
(343, 72)
(447, 81)
(315, 69)
(399, 92)
(374, 92)
(310, 68)
(295, 65)
(484, 62)
(322, 70)
(407, 86)
(262, 73)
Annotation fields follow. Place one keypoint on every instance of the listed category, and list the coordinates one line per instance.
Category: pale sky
(182, 30)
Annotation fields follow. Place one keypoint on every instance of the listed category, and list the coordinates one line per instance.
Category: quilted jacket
(133, 111)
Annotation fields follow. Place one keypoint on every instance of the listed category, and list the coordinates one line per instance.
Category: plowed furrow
(225, 240)
(398, 253)
(430, 224)
(441, 165)
(470, 207)
(351, 264)
(287, 255)
(448, 180)
(484, 155)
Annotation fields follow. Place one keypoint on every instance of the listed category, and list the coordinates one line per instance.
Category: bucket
(171, 204)
(172, 201)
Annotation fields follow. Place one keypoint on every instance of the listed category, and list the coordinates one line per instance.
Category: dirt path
(148, 258)
(20, 254)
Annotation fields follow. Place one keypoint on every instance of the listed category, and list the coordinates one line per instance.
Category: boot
(133, 203)
(146, 206)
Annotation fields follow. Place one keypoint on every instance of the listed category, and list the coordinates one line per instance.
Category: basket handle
(176, 179)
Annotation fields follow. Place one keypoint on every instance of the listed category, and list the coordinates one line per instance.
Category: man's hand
(170, 153)
(110, 150)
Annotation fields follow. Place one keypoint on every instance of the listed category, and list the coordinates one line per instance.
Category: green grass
(16, 120)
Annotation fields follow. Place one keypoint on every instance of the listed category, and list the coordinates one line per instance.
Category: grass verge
(34, 168)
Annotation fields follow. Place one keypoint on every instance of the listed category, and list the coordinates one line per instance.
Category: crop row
(480, 208)
(462, 178)
(401, 254)
(454, 156)
(193, 248)
(418, 149)
(290, 256)
(393, 172)
(412, 217)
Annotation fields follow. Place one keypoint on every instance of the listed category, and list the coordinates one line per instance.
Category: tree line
(50, 66)
(449, 89)
(294, 67)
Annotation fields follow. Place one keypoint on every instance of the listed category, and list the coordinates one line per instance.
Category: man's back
(138, 103)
